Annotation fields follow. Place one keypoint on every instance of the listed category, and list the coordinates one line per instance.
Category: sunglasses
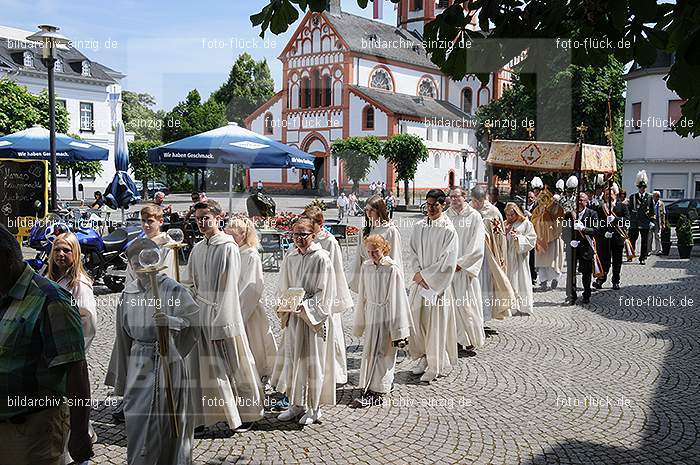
(301, 235)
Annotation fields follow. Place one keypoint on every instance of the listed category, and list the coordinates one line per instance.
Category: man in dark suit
(611, 236)
(641, 206)
(585, 228)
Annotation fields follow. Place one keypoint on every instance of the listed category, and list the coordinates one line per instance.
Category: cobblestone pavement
(613, 382)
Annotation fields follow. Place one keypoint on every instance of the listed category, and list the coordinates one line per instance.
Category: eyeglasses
(301, 235)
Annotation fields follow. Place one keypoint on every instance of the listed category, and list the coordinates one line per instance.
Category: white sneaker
(428, 377)
(419, 369)
(312, 416)
(292, 412)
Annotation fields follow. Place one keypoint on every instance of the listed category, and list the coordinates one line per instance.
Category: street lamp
(464, 168)
(50, 38)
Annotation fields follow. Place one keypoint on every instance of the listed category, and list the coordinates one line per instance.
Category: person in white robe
(521, 238)
(496, 291)
(250, 287)
(466, 288)
(151, 224)
(305, 368)
(228, 386)
(547, 219)
(376, 222)
(432, 260)
(343, 298)
(140, 370)
(383, 317)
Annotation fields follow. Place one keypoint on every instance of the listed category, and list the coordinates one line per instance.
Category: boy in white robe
(432, 260)
(139, 368)
(343, 298)
(521, 238)
(466, 288)
(228, 387)
(151, 224)
(383, 317)
(305, 367)
(250, 286)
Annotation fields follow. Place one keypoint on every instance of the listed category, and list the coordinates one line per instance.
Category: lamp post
(50, 38)
(464, 168)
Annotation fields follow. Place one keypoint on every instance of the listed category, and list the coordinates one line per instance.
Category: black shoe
(118, 417)
(245, 426)
(570, 301)
(555, 283)
(597, 285)
(491, 331)
(616, 287)
(586, 300)
(643, 261)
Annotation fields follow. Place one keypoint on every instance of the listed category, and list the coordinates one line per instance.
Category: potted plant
(666, 239)
(684, 236)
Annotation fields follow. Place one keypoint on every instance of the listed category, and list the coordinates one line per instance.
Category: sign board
(22, 183)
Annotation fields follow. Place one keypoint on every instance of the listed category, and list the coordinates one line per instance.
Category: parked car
(681, 207)
(153, 187)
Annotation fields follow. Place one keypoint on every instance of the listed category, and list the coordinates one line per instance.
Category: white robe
(466, 288)
(257, 326)
(342, 302)
(140, 378)
(382, 315)
(389, 232)
(433, 252)
(519, 266)
(229, 387)
(84, 299)
(550, 263)
(305, 366)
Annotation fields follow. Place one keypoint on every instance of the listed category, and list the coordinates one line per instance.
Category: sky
(165, 48)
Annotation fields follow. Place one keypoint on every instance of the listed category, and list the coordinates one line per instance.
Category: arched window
(305, 92)
(28, 59)
(317, 88)
(268, 124)
(368, 118)
(86, 68)
(380, 79)
(427, 88)
(467, 98)
(327, 90)
(58, 65)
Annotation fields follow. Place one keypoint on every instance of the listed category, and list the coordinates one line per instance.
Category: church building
(345, 75)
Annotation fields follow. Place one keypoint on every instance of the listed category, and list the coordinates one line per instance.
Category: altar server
(521, 239)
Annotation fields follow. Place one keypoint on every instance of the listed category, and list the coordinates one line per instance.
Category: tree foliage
(19, 109)
(191, 117)
(139, 117)
(405, 152)
(357, 154)
(249, 85)
(631, 30)
(142, 168)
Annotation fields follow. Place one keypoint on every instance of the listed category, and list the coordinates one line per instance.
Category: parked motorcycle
(104, 257)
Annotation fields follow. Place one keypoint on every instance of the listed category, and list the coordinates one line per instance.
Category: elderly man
(497, 293)
(660, 225)
(158, 199)
(42, 362)
(432, 260)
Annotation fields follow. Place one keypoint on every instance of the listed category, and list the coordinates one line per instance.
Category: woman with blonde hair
(521, 239)
(250, 289)
(66, 269)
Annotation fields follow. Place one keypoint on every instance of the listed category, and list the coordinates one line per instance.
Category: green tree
(139, 117)
(142, 168)
(405, 151)
(19, 109)
(636, 29)
(192, 117)
(357, 154)
(249, 85)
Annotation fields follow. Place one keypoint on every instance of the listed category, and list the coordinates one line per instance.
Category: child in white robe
(521, 238)
(250, 288)
(305, 367)
(383, 317)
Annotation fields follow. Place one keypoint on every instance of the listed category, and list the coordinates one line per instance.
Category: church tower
(413, 15)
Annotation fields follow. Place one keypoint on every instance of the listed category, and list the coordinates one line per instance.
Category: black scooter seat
(115, 240)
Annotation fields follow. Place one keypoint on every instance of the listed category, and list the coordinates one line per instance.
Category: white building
(671, 161)
(80, 85)
(345, 75)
